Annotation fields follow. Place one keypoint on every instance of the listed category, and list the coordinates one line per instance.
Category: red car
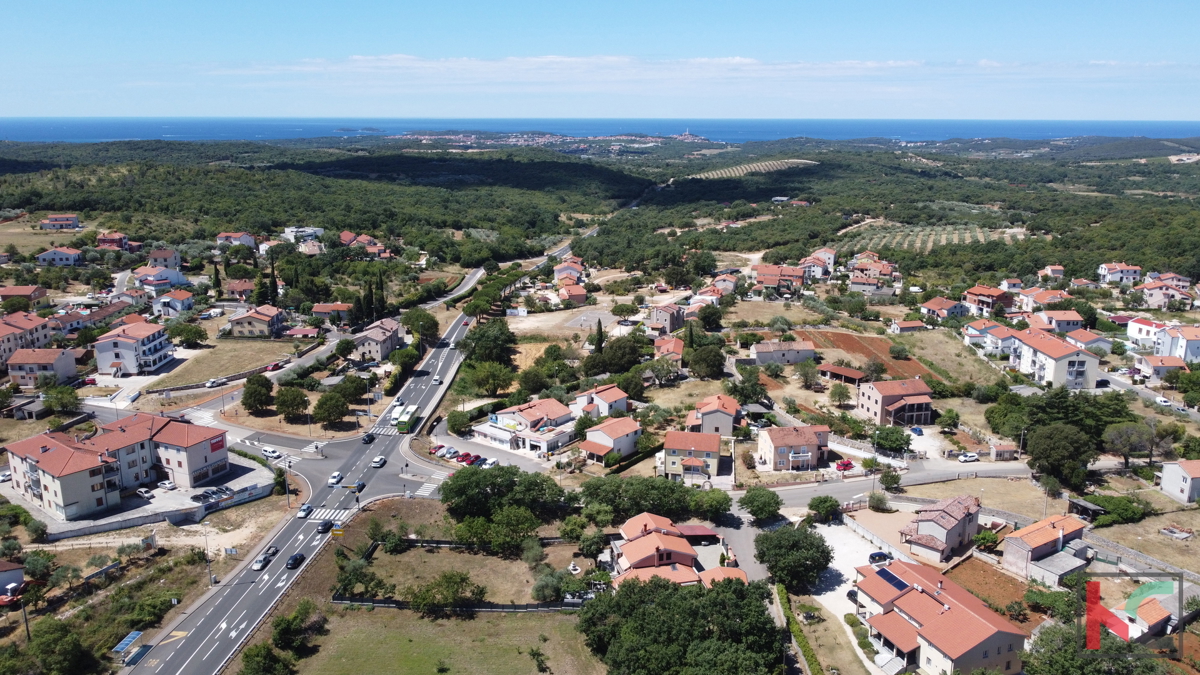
(434, 449)
(89, 380)
(274, 366)
(845, 465)
(462, 459)
(466, 323)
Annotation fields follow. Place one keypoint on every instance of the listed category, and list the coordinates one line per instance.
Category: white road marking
(426, 489)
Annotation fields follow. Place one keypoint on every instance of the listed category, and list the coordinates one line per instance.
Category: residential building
(865, 285)
(614, 435)
(727, 283)
(133, 349)
(975, 332)
(1154, 368)
(311, 248)
(1171, 279)
(841, 373)
(792, 448)
(159, 280)
(234, 238)
(1085, 339)
(36, 295)
(165, 257)
(689, 456)
(1084, 283)
(669, 347)
(669, 315)
(1053, 361)
(266, 246)
(567, 273)
(901, 327)
(114, 240)
(1062, 321)
(716, 414)
(263, 321)
(1143, 332)
(983, 300)
(654, 549)
(60, 256)
(28, 331)
(60, 221)
(874, 269)
(573, 293)
(931, 625)
(1031, 299)
(1051, 272)
(782, 279)
(1158, 294)
(1039, 540)
(600, 402)
(541, 426)
(827, 256)
(11, 574)
(774, 351)
(1011, 285)
(136, 297)
(1181, 341)
(1181, 480)
(378, 340)
(25, 366)
(902, 402)
(941, 527)
(297, 235)
(72, 478)
(346, 237)
(173, 304)
(242, 289)
(1119, 273)
(941, 308)
(712, 575)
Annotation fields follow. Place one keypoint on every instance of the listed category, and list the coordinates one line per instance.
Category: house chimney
(45, 448)
(939, 583)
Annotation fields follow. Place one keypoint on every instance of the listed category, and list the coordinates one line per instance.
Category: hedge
(636, 457)
(810, 656)
(257, 458)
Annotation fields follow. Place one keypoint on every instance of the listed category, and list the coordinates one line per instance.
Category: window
(985, 653)
(781, 462)
(928, 661)
(99, 501)
(132, 464)
(96, 487)
(1007, 665)
(1009, 649)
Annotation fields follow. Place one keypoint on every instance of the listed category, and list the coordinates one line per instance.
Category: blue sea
(99, 129)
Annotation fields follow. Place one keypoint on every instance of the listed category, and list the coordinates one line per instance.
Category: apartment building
(600, 402)
(133, 349)
(669, 315)
(896, 402)
(1053, 361)
(1119, 273)
(1180, 341)
(26, 366)
(165, 257)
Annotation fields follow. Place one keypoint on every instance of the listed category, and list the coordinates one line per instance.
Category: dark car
(369, 438)
(295, 561)
(324, 526)
(271, 551)
(1100, 384)
(479, 459)
(228, 492)
(201, 499)
(852, 595)
(878, 557)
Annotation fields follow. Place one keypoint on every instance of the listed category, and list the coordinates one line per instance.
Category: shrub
(878, 501)
(852, 620)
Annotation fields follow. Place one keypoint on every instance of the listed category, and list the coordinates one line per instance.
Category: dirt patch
(268, 420)
(827, 637)
(525, 354)
(1017, 496)
(1144, 537)
(225, 357)
(684, 394)
(996, 588)
(869, 347)
(770, 383)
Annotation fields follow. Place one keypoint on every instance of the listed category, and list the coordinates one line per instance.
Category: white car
(1123, 371)
(145, 493)
(1162, 401)
(167, 485)
(304, 511)
(443, 451)
(260, 562)
(378, 462)
(335, 478)
(437, 380)
(451, 453)
(216, 382)
(968, 457)
(271, 453)
(490, 463)
(5, 476)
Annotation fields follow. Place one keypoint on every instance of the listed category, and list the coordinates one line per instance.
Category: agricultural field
(865, 347)
(949, 355)
(924, 238)
(756, 167)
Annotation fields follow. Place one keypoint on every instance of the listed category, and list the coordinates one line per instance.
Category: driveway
(849, 551)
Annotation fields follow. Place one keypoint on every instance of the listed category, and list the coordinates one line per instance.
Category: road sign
(231, 551)
(337, 532)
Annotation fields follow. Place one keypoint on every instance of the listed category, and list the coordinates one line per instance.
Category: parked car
(305, 510)
(1159, 400)
(334, 478)
(368, 438)
(450, 453)
(852, 595)
(917, 431)
(1181, 408)
(478, 461)
(1101, 384)
(216, 382)
(260, 562)
(274, 366)
(1123, 371)
(490, 463)
(324, 526)
(968, 457)
(464, 458)
(378, 462)
(271, 453)
(213, 494)
(295, 561)
(201, 499)
(878, 557)
(434, 449)
(845, 465)
(89, 380)
(144, 493)
(5, 476)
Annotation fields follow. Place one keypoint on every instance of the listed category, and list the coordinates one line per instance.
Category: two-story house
(567, 273)
(669, 347)
(941, 527)
(689, 456)
(1143, 332)
(334, 312)
(173, 304)
(1155, 368)
(1119, 273)
(378, 340)
(1062, 321)
(774, 351)
(1181, 480)
(158, 280)
(234, 238)
(600, 402)
(1040, 540)
(26, 366)
(113, 241)
(670, 316)
(573, 293)
(896, 402)
(36, 295)
(263, 321)
(1053, 361)
(1180, 341)
(540, 426)
(1085, 339)
(136, 297)
(792, 448)
(1051, 272)
(133, 349)
(60, 256)
(942, 308)
(1158, 294)
(1012, 285)
(165, 257)
(716, 414)
(984, 300)
(614, 435)
(60, 221)
(1030, 299)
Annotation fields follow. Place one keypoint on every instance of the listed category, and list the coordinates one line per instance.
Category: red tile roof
(616, 427)
(1046, 530)
(901, 387)
(791, 436)
(1191, 467)
(691, 440)
(675, 573)
(647, 545)
(36, 356)
(645, 522)
(896, 629)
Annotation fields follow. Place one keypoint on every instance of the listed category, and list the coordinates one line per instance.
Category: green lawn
(387, 640)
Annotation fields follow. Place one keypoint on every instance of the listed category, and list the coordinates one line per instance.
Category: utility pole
(286, 489)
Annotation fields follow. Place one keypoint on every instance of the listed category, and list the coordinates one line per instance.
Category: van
(397, 410)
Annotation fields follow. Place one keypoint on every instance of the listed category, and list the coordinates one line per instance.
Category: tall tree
(1062, 451)
(216, 280)
(356, 310)
(260, 296)
(369, 302)
(796, 556)
(599, 336)
(380, 298)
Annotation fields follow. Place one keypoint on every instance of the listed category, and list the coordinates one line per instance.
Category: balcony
(800, 456)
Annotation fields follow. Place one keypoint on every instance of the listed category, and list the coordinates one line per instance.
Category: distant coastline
(99, 129)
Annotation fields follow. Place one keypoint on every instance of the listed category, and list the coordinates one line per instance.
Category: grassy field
(507, 581)
(765, 311)
(945, 351)
(27, 240)
(828, 638)
(1008, 495)
(16, 430)
(1144, 536)
(685, 393)
(224, 357)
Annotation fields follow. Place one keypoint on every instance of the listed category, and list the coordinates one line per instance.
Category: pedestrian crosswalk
(286, 459)
(385, 431)
(426, 489)
(329, 514)
(440, 475)
(311, 447)
(202, 417)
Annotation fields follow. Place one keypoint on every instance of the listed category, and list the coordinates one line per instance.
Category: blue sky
(525, 58)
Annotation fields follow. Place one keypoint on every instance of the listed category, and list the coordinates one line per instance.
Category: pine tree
(599, 336)
(272, 288)
(216, 280)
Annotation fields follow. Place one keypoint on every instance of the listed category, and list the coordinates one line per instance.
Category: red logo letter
(1098, 615)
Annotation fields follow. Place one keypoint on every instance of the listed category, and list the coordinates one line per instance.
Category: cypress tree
(272, 288)
(380, 299)
(260, 297)
(216, 279)
(356, 311)
(599, 336)
(369, 302)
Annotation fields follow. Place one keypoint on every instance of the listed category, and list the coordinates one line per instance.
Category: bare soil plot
(756, 167)
(942, 348)
(224, 357)
(765, 311)
(507, 581)
(1144, 537)
(865, 348)
(995, 587)
(269, 420)
(525, 354)
(1017, 496)
(684, 393)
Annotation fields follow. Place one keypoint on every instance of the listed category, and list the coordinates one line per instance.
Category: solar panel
(129, 639)
(896, 582)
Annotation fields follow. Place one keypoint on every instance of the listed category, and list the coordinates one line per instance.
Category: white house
(941, 527)
(234, 238)
(173, 304)
(1180, 341)
(1062, 321)
(60, 256)
(539, 426)
(1119, 273)
(1011, 285)
(600, 402)
(900, 327)
(1158, 294)
(1154, 368)
(1054, 272)
(297, 235)
(60, 221)
(133, 349)
(615, 434)
(1085, 339)
(774, 351)
(943, 308)
(1053, 361)
(159, 279)
(25, 366)
(1181, 480)
(1144, 332)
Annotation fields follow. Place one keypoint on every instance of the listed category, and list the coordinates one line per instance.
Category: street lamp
(207, 562)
